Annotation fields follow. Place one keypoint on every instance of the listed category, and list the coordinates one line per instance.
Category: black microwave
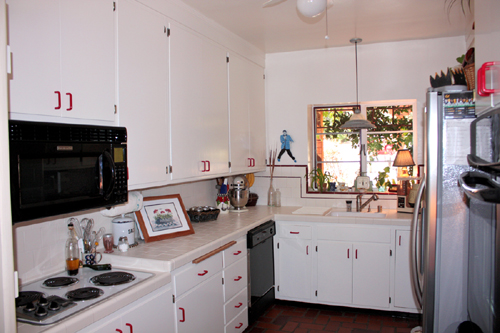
(63, 168)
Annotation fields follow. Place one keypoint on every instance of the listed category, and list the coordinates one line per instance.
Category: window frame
(363, 133)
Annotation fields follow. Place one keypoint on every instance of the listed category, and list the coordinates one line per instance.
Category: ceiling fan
(308, 8)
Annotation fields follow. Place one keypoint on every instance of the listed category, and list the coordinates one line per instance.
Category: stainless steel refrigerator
(440, 232)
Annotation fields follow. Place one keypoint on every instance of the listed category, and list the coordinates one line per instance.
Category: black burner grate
(26, 297)
(112, 278)
(83, 294)
(58, 282)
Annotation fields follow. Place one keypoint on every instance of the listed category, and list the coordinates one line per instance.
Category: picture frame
(163, 217)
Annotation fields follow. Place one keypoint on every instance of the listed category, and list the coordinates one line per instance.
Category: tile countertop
(170, 254)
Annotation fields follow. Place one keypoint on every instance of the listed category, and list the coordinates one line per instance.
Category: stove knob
(54, 306)
(41, 312)
(30, 307)
(43, 301)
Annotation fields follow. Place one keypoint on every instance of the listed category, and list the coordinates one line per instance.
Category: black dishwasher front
(261, 269)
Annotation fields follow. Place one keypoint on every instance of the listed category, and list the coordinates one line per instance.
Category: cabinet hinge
(390, 300)
(316, 293)
(114, 5)
(116, 109)
(227, 59)
(222, 281)
(316, 248)
(264, 76)
(168, 169)
(173, 298)
(229, 164)
(390, 253)
(277, 245)
(167, 31)
(278, 288)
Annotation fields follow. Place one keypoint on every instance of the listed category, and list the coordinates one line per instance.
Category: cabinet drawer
(235, 252)
(235, 305)
(294, 231)
(352, 234)
(238, 324)
(190, 275)
(235, 278)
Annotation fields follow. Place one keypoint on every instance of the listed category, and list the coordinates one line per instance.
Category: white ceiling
(281, 28)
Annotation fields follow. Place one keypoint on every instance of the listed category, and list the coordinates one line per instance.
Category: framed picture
(163, 217)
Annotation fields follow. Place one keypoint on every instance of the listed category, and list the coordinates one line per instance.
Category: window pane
(343, 172)
(390, 118)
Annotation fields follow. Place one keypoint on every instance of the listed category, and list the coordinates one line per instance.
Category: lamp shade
(403, 158)
(311, 8)
(357, 121)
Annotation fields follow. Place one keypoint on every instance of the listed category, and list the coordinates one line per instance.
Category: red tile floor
(293, 317)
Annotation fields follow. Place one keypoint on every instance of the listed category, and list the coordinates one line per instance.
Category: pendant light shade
(357, 120)
(311, 8)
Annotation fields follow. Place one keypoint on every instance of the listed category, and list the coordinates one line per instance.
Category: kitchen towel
(134, 204)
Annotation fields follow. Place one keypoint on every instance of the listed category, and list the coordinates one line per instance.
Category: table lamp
(402, 161)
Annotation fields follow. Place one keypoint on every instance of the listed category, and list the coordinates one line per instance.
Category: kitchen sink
(341, 213)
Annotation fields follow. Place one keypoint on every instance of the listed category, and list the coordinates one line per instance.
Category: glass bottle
(72, 252)
(271, 196)
(277, 198)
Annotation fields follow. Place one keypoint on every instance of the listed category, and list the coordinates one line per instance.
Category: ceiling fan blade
(270, 3)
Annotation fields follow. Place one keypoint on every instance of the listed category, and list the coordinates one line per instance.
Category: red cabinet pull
(236, 253)
(307, 250)
(131, 328)
(120, 331)
(239, 326)
(249, 162)
(253, 161)
(356, 254)
(239, 305)
(204, 273)
(238, 278)
(348, 253)
(399, 240)
(70, 101)
(481, 78)
(183, 315)
(294, 232)
(58, 100)
(208, 162)
(204, 166)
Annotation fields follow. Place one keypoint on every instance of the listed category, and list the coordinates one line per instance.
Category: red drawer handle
(208, 166)
(204, 273)
(481, 78)
(253, 162)
(356, 254)
(70, 101)
(58, 100)
(239, 305)
(204, 166)
(236, 253)
(399, 240)
(238, 278)
(294, 232)
(348, 253)
(307, 250)
(120, 331)
(239, 326)
(183, 315)
(131, 328)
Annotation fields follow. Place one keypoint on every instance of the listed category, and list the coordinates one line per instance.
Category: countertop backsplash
(39, 244)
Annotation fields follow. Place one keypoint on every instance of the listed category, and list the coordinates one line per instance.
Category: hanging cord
(356, 41)
(326, 14)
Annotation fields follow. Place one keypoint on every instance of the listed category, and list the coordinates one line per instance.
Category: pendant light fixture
(311, 8)
(357, 121)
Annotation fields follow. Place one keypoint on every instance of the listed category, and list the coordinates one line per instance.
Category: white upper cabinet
(63, 59)
(199, 106)
(143, 92)
(247, 115)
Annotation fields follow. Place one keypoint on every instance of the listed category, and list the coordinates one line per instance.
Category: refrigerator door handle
(417, 274)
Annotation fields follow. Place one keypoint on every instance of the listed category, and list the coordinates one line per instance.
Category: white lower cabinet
(151, 313)
(403, 291)
(341, 264)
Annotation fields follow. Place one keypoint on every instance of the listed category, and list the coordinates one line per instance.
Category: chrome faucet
(359, 206)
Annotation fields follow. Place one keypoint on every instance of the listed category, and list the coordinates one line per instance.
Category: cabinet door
(201, 308)
(371, 274)
(88, 59)
(403, 290)
(34, 42)
(143, 92)
(247, 115)
(335, 272)
(199, 106)
(293, 269)
(487, 47)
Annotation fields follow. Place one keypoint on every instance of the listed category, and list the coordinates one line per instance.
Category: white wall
(398, 70)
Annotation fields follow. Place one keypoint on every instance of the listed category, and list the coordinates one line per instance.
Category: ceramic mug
(91, 258)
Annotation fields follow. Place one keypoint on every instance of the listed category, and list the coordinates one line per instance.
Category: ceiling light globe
(311, 8)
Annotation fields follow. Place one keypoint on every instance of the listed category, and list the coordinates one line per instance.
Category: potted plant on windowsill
(320, 178)
(382, 180)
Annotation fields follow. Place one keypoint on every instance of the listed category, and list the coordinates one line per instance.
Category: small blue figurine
(285, 146)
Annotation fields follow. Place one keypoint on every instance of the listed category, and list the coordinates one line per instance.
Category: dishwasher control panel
(261, 233)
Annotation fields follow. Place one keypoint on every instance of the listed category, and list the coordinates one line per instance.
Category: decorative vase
(271, 196)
